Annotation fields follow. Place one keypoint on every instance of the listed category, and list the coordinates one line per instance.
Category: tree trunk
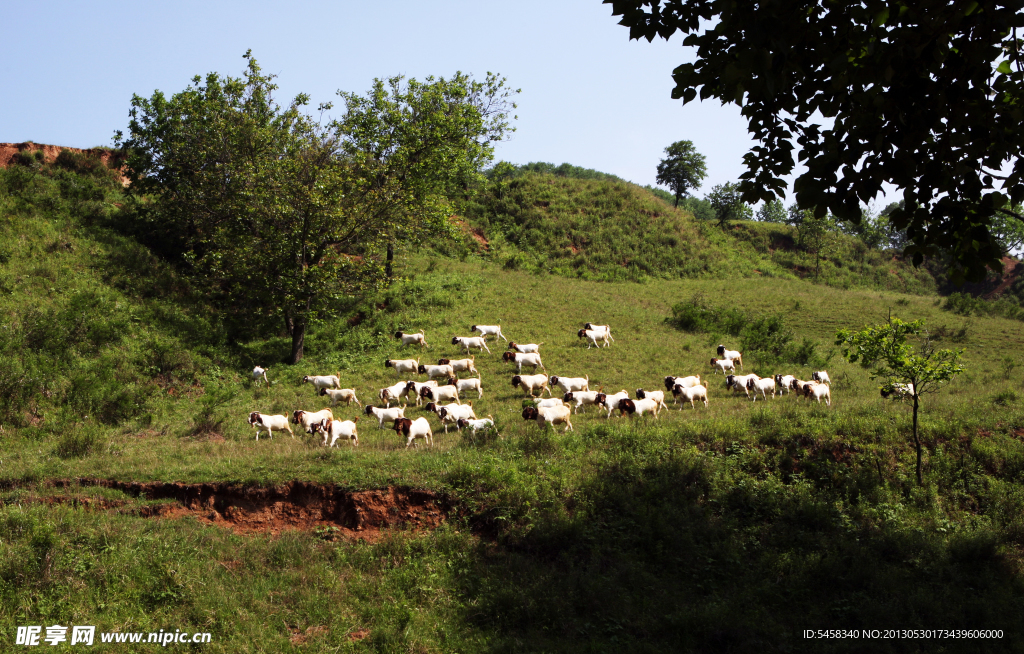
(389, 264)
(677, 200)
(298, 340)
(917, 444)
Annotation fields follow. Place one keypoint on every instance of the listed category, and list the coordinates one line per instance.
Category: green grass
(611, 230)
(732, 528)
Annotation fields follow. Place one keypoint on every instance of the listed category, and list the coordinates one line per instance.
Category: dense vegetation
(731, 528)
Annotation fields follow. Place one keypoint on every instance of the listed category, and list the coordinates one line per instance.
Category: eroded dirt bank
(258, 509)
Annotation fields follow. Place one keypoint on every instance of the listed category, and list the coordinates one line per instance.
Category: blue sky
(590, 96)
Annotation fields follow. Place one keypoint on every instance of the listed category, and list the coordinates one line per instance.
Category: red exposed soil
(478, 236)
(50, 152)
(299, 637)
(295, 505)
(996, 285)
(1011, 271)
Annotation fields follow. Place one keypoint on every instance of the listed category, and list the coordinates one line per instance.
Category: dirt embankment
(994, 287)
(256, 509)
(50, 152)
(110, 158)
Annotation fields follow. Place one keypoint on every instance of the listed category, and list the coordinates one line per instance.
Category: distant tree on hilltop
(682, 170)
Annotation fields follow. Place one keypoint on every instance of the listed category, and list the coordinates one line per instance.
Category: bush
(699, 315)
(766, 338)
(1004, 398)
(77, 442)
(964, 304)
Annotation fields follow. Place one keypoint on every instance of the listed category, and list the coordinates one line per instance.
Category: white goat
(657, 396)
(784, 382)
(531, 382)
(307, 418)
(409, 339)
(346, 395)
(593, 337)
(415, 389)
(571, 384)
(260, 373)
(546, 402)
(798, 386)
(527, 348)
(323, 381)
(730, 354)
(723, 365)
(549, 415)
(818, 391)
(739, 382)
(270, 423)
(763, 385)
(392, 392)
(686, 382)
(335, 429)
(690, 394)
(476, 425)
(600, 329)
(389, 414)
(402, 365)
(464, 385)
(452, 413)
(413, 429)
(489, 330)
(443, 371)
(529, 359)
(581, 398)
(898, 391)
(611, 402)
(479, 342)
(821, 377)
(449, 393)
(638, 407)
(461, 365)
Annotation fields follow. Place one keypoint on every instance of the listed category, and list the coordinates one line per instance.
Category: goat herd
(575, 391)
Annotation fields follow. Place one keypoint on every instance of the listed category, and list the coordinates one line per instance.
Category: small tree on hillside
(884, 347)
(772, 212)
(682, 170)
(726, 201)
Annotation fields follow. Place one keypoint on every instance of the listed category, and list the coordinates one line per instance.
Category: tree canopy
(925, 95)
(682, 169)
(280, 215)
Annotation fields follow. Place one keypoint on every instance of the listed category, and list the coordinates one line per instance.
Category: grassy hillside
(729, 528)
(609, 229)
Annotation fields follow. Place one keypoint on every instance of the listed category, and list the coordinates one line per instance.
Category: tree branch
(1012, 214)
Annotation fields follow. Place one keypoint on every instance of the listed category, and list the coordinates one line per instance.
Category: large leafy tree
(430, 140)
(884, 350)
(682, 170)
(922, 94)
(281, 215)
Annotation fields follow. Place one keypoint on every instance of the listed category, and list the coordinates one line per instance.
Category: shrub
(77, 442)
(964, 304)
(699, 315)
(1004, 398)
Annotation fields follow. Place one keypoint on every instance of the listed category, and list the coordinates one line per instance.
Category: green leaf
(881, 17)
(1004, 67)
